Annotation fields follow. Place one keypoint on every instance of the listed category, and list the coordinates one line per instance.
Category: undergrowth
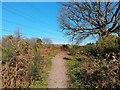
(95, 65)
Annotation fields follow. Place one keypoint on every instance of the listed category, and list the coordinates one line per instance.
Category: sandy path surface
(57, 76)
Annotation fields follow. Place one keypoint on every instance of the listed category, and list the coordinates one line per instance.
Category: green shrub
(34, 68)
(109, 44)
(73, 50)
(102, 48)
(101, 75)
(97, 70)
(64, 47)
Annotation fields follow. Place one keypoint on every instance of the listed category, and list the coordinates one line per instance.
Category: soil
(58, 74)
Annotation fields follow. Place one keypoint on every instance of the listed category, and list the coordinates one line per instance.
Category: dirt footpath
(57, 76)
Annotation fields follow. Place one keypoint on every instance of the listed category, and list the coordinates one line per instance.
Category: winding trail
(57, 76)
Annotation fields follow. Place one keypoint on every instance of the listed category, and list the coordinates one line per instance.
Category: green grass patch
(71, 71)
(48, 68)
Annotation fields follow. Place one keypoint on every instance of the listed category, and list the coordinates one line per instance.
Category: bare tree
(46, 41)
(17, 34)
(83, 19)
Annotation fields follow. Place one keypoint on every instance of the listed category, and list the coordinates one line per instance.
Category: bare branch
(82, 19)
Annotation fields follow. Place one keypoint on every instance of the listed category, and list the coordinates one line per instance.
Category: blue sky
(37, 19)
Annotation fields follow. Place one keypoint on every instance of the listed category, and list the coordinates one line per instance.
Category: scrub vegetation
(95, 65)
(24, 62)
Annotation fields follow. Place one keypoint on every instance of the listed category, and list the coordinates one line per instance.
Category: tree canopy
(39, 41)
(83, 19)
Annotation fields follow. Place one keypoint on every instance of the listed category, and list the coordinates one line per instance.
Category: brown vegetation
(22, 62)
(95, 65)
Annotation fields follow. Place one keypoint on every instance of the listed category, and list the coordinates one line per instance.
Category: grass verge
(71, 64)
(43, 83)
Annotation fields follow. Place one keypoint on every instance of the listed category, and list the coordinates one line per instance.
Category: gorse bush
(109, 44)
(24, 62)
(74, 50)
(17, 57)
(8, 50)
(103, 49)
(93, 74)
(34, 69)
(96, 65)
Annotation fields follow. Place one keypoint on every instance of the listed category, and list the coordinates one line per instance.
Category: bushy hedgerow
(24, 62)
(16, 59)
(21, 62)
(92, 74)
(103, 49)
(73, 50)
(109, 44)
(96, 65)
